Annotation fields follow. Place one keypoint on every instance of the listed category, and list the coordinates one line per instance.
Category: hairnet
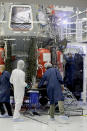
(47, 65)
(20, 64)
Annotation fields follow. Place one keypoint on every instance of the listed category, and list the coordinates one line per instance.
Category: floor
(43, 123)
(74, 123)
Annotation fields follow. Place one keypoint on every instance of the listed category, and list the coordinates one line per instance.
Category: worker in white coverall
(18, 80)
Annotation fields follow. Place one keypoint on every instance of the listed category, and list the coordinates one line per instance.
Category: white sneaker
(18, 120)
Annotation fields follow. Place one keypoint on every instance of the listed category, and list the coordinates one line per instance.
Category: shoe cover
(51, 119)
(63, 117)
(18, 120)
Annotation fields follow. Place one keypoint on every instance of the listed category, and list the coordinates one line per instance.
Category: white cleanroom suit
(18, 80)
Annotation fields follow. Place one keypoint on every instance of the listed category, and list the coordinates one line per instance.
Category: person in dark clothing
(69, 72)
(8, 107)
(53, 81)
(78, 76)
(74, 74)
(5, 92)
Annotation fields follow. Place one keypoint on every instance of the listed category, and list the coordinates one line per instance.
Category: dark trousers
(8, 107)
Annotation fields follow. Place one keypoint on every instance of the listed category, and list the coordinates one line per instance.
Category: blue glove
(27, 87)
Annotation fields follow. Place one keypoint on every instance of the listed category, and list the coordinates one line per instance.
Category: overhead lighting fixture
(84, 19)
(9, 39)
(26, 39)
(78, 12)
(64, 15)
(85, 26)
(17, 32)
(65, 22)
(59, 19)
(25, 32)
(66, 8)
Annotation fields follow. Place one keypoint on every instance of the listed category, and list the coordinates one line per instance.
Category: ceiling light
(65, 22)
(84, 19)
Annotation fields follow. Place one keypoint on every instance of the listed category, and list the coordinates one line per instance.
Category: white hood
(20, 64)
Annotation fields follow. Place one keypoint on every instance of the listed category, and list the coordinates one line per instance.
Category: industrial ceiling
(67, 12)
(75, 3)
